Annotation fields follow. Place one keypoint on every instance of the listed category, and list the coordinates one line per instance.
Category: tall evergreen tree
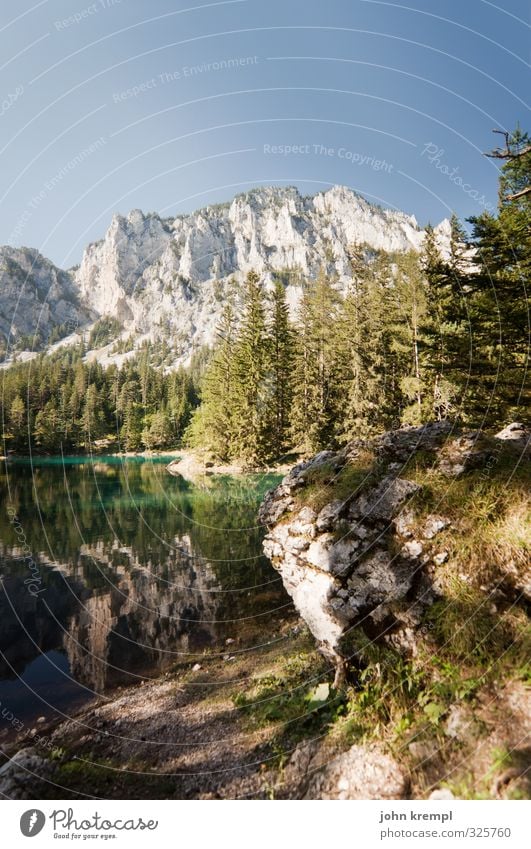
(492, 348)
(408, 310)
(316, 390)
(282, 359)
(213, 424)
(252, 386)
(361, 343)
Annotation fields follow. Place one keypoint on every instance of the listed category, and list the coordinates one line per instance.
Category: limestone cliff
(168, 278)
(355, 536)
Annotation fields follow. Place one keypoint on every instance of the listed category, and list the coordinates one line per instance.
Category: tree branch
(508, 152)
(520, 194)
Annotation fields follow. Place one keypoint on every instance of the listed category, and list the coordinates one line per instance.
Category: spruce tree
(496, 331)
(440, 325)
(362, 348)
(252, 386)
(212, 425)
(282, 358)
(317, 394)
(409, 307)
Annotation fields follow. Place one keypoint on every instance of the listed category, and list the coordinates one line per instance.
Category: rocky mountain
(167, 279)
(39, 303)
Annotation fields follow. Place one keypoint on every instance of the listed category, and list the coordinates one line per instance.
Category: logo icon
(32, 822)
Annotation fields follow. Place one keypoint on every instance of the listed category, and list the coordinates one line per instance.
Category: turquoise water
(112, 570)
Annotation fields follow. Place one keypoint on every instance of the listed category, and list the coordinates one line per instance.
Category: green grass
(325, 483)
(295, 696)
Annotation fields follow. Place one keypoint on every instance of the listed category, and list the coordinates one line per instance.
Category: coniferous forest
(265, 479)
(415, 337)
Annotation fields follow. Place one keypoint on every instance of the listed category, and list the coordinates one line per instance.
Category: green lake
(112, 570)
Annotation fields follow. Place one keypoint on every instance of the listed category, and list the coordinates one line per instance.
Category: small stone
(329, 515)
(360, 531)
(424, 751)
(459, 724)
(441, 794)
(413, 548)
(298, 544)
(307, 515)
(196, 667)
(440, 558)
(404, 523)
(434, 525)
(363, 772)
(318, 553)
(229, 641)
(514, 432)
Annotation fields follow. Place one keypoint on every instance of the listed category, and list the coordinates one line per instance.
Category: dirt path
(180, 736)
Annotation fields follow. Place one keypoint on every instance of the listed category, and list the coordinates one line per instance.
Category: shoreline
(191, 466)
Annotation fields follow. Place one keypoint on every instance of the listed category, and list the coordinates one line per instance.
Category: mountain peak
(167, 278)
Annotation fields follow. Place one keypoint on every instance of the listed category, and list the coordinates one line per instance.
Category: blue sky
(169, 106)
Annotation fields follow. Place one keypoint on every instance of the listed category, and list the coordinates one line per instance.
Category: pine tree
(282, 353)
(362, 344)
(47, 430)
(91, 418)
(441, 322)
(409, 307)
(158, 432)
(495, 332)
(252, 387)
(316, 398)
(213, 424)
(17, 416)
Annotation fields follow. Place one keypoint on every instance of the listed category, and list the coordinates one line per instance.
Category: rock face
(37, 298)
(359, 773)
(361, 560)
(25, 775)
(169, 278)
(362, 772)
(183, 268)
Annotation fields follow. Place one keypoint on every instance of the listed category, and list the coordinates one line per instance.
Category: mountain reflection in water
(136, 570)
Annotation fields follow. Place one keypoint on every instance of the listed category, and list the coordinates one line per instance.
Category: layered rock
(361, 560)
(168, 278)
(183, 268)
(36, 299)
(362, 772)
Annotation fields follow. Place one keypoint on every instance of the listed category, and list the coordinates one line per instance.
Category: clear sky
(169, 105)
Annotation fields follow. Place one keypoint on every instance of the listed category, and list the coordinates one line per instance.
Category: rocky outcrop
(362, 772)
(25, 776)
(361, 560)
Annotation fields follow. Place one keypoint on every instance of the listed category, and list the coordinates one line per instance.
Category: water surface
(111, 570)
